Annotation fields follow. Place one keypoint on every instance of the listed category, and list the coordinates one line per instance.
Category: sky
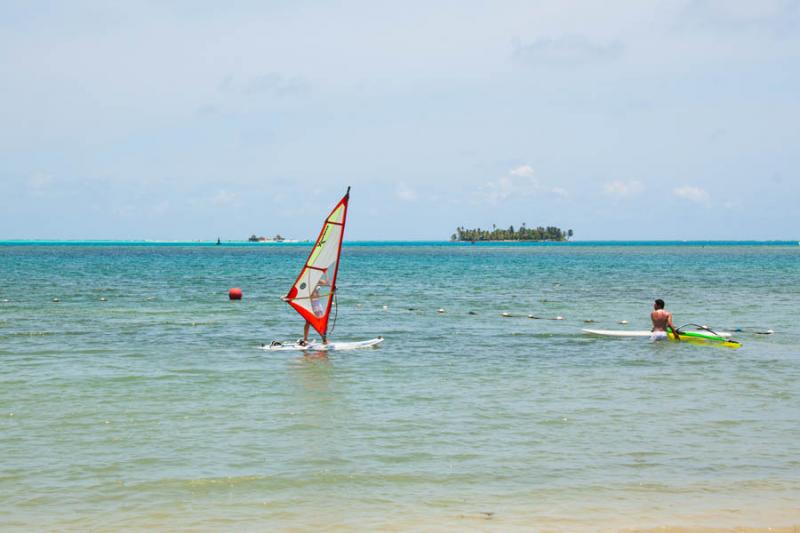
(194, 120)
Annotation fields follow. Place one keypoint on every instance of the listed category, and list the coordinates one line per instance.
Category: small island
(276, 238)
(550, 233)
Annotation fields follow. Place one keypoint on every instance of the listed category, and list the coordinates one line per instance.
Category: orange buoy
(235, 293)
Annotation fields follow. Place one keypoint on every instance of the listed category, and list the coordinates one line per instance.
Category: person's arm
(672, 327)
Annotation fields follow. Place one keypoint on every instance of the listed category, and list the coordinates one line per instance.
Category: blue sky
(192, 120)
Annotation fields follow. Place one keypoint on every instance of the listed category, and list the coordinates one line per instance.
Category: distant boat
(218, 241)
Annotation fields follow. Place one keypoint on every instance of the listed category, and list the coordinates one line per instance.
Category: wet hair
(659, 304)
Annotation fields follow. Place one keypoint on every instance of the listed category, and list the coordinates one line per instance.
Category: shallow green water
(154, 408)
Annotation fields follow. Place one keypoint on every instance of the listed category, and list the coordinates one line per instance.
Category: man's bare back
(662, 319)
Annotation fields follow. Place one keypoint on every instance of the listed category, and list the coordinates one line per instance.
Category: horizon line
(437, 241)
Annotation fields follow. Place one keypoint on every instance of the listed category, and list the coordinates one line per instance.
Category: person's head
(659, 304)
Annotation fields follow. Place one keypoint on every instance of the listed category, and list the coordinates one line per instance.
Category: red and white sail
(312, 292)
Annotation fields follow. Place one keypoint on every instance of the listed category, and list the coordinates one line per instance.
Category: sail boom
(302, 297)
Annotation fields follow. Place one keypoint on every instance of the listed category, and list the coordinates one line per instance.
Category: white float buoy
(440, 310)
(623, 321)
(56, 300)
(506, 315)
(559, 317)
(385, 307)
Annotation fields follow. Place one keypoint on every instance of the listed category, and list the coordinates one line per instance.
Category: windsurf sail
(313, 291)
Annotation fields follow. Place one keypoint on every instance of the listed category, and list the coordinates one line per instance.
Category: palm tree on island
(524, 233)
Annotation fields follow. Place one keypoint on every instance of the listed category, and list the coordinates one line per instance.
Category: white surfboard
(641, 333)
(317, 346)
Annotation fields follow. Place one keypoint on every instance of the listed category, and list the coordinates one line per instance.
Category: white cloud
(567, 51)
(500, 189)
(623, 188)
(405, 193)
(519, 181)
(691, 193)
(523, 170)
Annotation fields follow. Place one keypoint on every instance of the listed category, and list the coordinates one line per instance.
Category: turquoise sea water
(156, 409)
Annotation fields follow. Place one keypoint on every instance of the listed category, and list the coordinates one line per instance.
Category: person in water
(318, 309)
(662, 319)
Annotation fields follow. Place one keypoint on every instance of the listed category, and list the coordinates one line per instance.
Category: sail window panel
(327, 251)
(318, 304)
(307, 282)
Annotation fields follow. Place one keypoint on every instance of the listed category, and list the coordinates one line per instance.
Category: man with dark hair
(662, 319)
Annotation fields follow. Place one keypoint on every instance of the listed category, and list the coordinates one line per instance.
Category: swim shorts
(659, 336)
